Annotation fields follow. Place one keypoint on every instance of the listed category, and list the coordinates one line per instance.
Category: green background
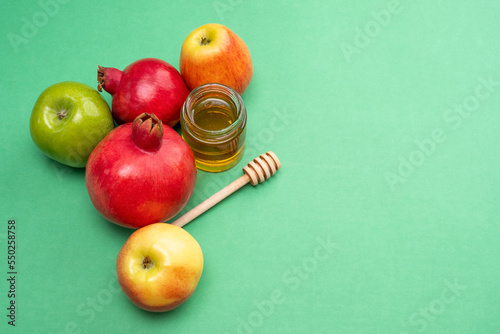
(385, 118)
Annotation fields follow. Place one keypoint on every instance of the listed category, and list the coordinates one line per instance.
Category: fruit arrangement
(141, 173)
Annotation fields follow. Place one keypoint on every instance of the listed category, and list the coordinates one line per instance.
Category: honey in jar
(213, 121)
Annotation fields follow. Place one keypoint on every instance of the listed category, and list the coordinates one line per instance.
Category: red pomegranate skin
(135, 186)
(147, 85)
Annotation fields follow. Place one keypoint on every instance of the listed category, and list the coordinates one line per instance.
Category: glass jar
(213, 121)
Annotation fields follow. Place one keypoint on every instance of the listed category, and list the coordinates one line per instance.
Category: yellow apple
(159, 267)
(213, 53)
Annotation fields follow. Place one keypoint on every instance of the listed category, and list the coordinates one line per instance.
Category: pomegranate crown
(109, 78)
(147, 132)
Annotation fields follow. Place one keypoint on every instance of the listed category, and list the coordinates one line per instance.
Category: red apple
(159, 267)
(213, 53)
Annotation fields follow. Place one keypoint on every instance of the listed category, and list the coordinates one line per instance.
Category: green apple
(68, 120)
(159, 267)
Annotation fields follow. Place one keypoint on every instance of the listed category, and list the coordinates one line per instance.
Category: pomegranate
(147, 85)
(140, 173)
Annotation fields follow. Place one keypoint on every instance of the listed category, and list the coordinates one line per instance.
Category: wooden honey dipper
(257, 171)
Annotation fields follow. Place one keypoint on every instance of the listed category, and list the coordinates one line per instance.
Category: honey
(213, 121)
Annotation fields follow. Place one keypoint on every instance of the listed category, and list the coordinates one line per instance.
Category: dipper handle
(257, 171)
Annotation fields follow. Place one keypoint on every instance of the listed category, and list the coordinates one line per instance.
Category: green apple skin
(68, 120)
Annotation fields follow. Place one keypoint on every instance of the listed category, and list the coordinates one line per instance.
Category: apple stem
(205, 41)
(147, 263)
(62, 113)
